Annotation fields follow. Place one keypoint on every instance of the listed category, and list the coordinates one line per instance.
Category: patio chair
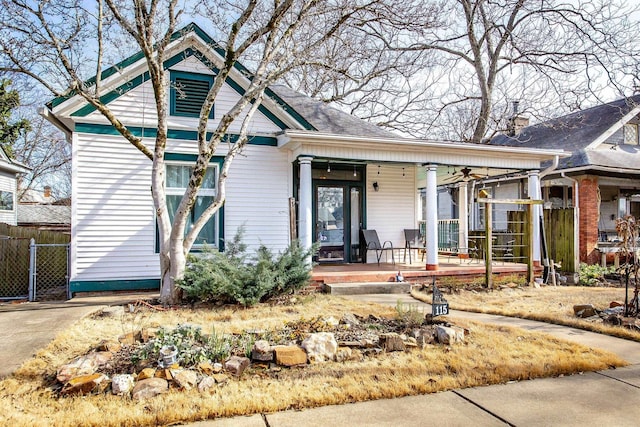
(413, 239)
(372, 243)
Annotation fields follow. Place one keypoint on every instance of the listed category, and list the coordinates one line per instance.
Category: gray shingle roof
(327, 119)
(575, 131)
(44, 214)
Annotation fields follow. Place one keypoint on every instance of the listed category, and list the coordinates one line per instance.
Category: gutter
(51, 118)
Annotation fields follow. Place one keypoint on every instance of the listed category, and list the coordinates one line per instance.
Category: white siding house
(9, 170)
(299, 148)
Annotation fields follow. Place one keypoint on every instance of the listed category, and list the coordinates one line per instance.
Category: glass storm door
(330, 223)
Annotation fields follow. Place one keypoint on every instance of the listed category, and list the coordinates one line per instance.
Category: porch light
(329, 167)
(376, 187)
(354, 171)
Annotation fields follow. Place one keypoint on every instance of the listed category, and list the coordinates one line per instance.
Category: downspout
(576, 222)
(547, 171)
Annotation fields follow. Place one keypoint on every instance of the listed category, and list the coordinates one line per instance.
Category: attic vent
(188, 93)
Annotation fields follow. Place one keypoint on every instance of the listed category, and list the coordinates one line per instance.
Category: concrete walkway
(596, 398)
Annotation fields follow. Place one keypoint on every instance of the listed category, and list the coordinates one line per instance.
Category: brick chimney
(47, 191)
(517, 122)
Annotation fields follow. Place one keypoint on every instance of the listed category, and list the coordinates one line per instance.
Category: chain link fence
(49, 266)
(37, 272)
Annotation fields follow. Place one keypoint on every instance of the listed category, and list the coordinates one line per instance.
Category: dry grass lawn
(548, 304)
(490, 355)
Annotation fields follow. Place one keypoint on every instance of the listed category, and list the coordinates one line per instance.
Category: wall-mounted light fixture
(376, 187)
(329, 167)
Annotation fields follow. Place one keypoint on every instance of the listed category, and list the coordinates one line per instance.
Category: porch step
(367, 288)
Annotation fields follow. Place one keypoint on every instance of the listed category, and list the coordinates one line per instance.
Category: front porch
(448, 266)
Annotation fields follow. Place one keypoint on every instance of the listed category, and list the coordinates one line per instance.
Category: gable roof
(580, 132)
(44, 214)
(9, 165)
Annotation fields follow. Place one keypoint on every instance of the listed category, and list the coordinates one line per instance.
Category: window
(176, 181)
(6, 200)
(631, 134)
(188, 92)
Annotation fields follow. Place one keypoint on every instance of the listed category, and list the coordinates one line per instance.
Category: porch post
(304, 207)
(463, 220)
(431, 226)
(535, 194)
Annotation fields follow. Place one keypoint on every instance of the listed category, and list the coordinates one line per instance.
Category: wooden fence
(14, 257)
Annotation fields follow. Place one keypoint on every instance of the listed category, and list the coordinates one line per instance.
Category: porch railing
(447, 234)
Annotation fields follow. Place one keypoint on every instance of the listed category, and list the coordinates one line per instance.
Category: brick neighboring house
(603, 169)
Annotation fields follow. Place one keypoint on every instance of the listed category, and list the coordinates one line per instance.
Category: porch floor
(414, 272)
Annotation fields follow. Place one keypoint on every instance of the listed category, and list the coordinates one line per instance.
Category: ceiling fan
(464, 174)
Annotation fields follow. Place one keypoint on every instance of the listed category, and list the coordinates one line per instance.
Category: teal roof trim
(126, 87)
(138, 131)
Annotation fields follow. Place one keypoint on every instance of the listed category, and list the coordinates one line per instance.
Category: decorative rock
(424, 337)
(321, 346)
(291, 355)
(236, 365)
(205, 367)
(392, 342)
(220, 378)
(206, 384)
(84, 384)
(122, 384)
(130, 338)
(411, 342)
(262, 351)
(110, 346)
(614, 304)
(83, 365)
(584, 310)
(345, 354)
(147, 334)
(217, 368)
(164, 374)
(185, 379)
(146, 373)
(149, 388)
(350, 320)
(449, 335)
(331, 321)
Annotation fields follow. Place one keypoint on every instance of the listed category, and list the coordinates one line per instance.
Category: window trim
(188, 160)
(636, 128)
(174, 92)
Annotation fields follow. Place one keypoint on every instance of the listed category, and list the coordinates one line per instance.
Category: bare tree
(58, 42)
(478, 55)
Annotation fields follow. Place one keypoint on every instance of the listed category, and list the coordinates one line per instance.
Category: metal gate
(48, 271)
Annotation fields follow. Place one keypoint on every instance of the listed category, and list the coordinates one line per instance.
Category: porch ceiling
(492, 160)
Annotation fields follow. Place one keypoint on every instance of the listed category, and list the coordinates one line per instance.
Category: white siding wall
(114, 228)
(8, 183)
(393, 208)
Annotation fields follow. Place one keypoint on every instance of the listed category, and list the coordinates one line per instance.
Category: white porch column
(463, 220)
(431, 232)
(304, 208)
(535, 193)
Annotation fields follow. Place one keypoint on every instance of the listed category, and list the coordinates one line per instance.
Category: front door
(338, 216)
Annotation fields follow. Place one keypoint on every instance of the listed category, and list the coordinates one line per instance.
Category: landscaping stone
(262, 351)
(206, 368)
(331, 321)
(411, 342)
(220, 378)
(185, 379)
(449, 335)
(350, 320)
(83, 365)
(614, 304)
(116, 311)
(236, 365)
(206, 384)
(217, 368)
(584, 310)
(347, 354)
(146, 373)
(84, 384)
(392, 342)
(148, 334)
(110, 346)
(321, 347)
(291, 355)
(130, 338)
(122, 384)
(424, 336)
(149, 388)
